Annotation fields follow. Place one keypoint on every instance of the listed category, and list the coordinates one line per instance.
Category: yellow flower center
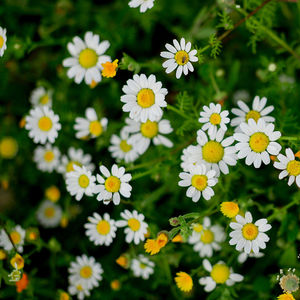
(86, 272)
(212, 152)
(145, 98)
(293, 167)
(199, 182)
(181, 57)
(125, 147)
(88, 58)
(250, 231)
(8, 147)
(258, 142)
(17, 260)
(122, 261)
(45, 123)
(253, 114)
(49, 212)
(149, 129)
(215, 119)
(44, 99)
(143, 266)
(229, 209)
(1, 41)
(83, 181)
(220, 273)
(95, 128)
(16, 237)
(52, 193)
(198, 227)
(79, 287)
(49, 156)
(70, 165)
(112, 184)
(134, 224)
(103, 227)
(207, 237)
(64, 296)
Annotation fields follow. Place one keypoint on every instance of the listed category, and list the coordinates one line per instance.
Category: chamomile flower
(220, 273)
(90, 126)
(179, 56)
(256, 142)
(2, 40)
(47, 158)
(144, 133)
(192, 155)
(17, 235)
(80, 182)
(40, 97)
(206, 238)
(144, 98)
(112, 184)
(49, 214)
(142, 266)
(212, 117)
(248, 236)
(199, 180)
(289, 166)
(143, 4)
(79, 289)
(101, 230)
(42, 124)
(136, 228)
(244, 256)
(87, 58)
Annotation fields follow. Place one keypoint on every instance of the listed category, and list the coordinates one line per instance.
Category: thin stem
(289, 138)
(139, 175)
(177, 111)
(283, 209)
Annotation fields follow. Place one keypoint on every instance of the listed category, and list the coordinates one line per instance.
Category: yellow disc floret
(199, 182)
(286, 297)
(112, 184)
(220, 273)
(70, 165)
(253, 114)
(49, 212)
(86, 272)
(215, 119)
(182, 57)
(125, 147)
(8, 147)
(44, 99)
(134, 224)
(149, 129)
(83, 181)
(1, 41)
(197, 227)
(145, 98)
(259, 142)
(207, 236)
(52, 193)
(212, 152)
(49, 156)
(103, 227)
(95, 128)
(88, 58)
(293, 167)
(18, 261)
(16, 237)
(229, 209)
(250, 231)
(45, 123)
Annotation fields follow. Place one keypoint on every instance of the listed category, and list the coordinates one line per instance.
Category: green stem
(139, 175)
(177, 111)
(283, 209)
(289, 138)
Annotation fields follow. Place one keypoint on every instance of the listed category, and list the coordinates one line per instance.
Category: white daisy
(90, 126)
(244, 256)
(249, 236)
(136, 228)
(179, 56)
(256, 142)
(143, 4)
(206, 238)
(144, 97)
(80, 182)
(192, 155)
(289, 166)
(113, 184)
(142, 266)
(2, 40)
(46, 158)
(143, 133)
(79, 289)
(259, 111)
(220, 273)
(17, 235)
(199, 180)
(212, 117)
(101, 230)
(49, 214)
(40, 97)
(87, 58)
(42, 124)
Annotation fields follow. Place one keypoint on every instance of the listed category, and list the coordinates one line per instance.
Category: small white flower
(144, 97)
(3, 40)
(212, 117)
(89, 126)
(87, 58)
(289, 166)
(80, 182)
(143, 4)
(142, 266)
(199, 180)
(101, 230)
(244, 256)
(79, 289)
(42, 124)
(192, 155)
(256, 142)
(249, 236)
(49, 214)
(47, 157)
(220, 273)
(179, 56)
(17, 235)
(112, 184)
(40, 97)
(136, 228)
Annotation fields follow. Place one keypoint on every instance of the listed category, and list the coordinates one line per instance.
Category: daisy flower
(179, 56)
(49, 214)
(112, 184)
(46, 158)
(17, 235)
(259, 111)
(80, 182)
(220, 273)
(143, 4)
(101, 230)
(40, 97)
(256, 142)
(249, 236)
(289, 166)
(192, 155)
(136, 228)
(199, 180)
(79, 289)
(2, 40)
(244, 256)
(212, 117)
(143, 133)
(8, 147)
(52, 193)
(42, 124)
(142, 266)
(144, 97)
(90, 126)
(184, 281)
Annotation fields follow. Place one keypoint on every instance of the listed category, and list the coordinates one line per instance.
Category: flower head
(110, 68)
(153, 246)
(2, 40)
(142, 266)
(184, 281)
(47, 158)
(22, 284)
(286, 296)
(17, 261)
(8, 147)
(40, 97)
(229, 209)
(52, 193)
(49, 214)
